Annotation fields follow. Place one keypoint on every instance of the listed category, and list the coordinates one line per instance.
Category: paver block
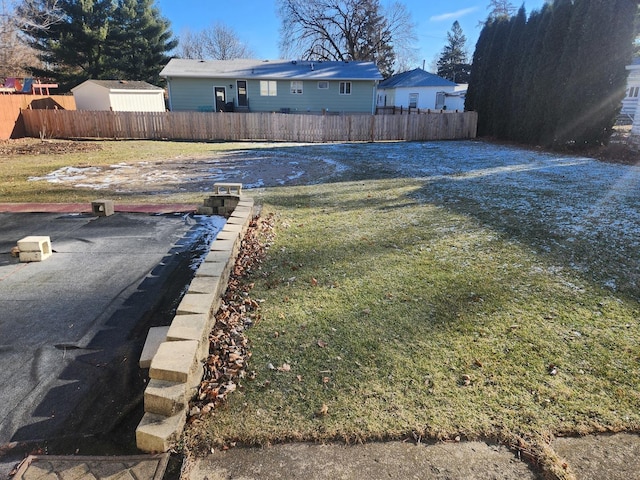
(246, 202)
(213, 269)
(226, 235)
(155, 337)
(196, 303)
(158, 433)
(205, 284)
(166, 398)
(176, 362)
(224, 245)
(192, 327)
(217, 257)
(102, 208)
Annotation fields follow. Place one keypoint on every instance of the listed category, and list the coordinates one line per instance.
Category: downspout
(375, 100)
(169, 93)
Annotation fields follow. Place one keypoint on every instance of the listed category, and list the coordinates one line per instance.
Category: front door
(242, 93)
(221, 99)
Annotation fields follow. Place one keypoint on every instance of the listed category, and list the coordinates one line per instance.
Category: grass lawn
(398, 317)
(467, 305)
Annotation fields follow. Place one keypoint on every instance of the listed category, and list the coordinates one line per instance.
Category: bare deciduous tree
(218, 42)
(15, 55)
(33, 15)
(346, 30)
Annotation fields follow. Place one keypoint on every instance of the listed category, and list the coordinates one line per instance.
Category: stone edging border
(175, 370)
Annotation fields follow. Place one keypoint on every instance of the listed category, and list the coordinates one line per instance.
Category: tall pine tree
(100, 39)
(453, 63)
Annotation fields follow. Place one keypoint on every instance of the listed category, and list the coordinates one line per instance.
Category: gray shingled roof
(125, 85)
(415, 78)
(271, 69)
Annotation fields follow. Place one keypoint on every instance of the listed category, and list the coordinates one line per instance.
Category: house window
(345, 88)
(268, 88)
(413, 100)
(323, 85)
(296, 87)
(439, 100)
(633, 92)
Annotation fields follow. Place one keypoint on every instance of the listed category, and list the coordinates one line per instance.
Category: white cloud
(453, 15)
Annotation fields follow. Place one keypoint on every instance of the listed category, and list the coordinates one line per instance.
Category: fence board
(207, 126)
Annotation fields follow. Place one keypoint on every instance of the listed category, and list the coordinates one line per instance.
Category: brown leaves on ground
(31, 146)
(226, 364)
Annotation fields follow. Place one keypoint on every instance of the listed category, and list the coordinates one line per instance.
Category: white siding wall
(142, 101)
(633, 81)
(90, 96)
(399, 97)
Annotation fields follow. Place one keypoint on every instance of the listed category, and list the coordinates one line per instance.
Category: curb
(175, 369)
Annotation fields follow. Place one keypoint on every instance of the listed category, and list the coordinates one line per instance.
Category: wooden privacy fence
(11, 125)
(249, 126)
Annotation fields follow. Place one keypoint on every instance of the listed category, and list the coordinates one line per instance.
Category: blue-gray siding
(196, 94)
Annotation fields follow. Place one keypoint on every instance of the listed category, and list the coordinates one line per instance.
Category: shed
(119, 96)
(419, 89)
(286, 86)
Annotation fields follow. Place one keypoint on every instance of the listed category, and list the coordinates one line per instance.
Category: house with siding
(119, 96)
(630, 100)
(420, 89)
(271, 86)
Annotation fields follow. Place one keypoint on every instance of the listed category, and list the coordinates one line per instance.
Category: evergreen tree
(598, 77)
(100, 39)
(138, 41)
(453, 63)
(503, 115)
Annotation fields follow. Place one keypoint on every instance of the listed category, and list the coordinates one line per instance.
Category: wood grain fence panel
(206, 126)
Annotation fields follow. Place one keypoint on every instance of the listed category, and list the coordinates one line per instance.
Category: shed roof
(415, 78)
(121, 85)
(271, 69)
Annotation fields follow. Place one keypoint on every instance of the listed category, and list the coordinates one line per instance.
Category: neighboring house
(420, 89)
(630, 101)
(271, 86)
(119, 96)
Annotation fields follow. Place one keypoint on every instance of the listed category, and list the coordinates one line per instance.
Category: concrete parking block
(155, 337)
(158, 433)
(175, 362)
(166, 398)
(197, 303)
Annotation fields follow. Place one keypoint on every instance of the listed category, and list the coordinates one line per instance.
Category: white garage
(119, 96)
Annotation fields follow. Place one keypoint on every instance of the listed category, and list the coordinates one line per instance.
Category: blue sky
(257, 24)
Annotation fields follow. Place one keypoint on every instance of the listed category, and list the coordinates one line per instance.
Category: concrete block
(32, 256)
(227, 188)
(232, 228)
(202, 210)
(227, 235)
(192, 327)
(158, 433)
(155, 337)
(176, 362)
(204, 284)
(222, 245)
(35, 243)
(166, 398)
(196, 303)
(246, 202)
(213, 269)
(243, 214)
(217, 257)
(102, 208)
